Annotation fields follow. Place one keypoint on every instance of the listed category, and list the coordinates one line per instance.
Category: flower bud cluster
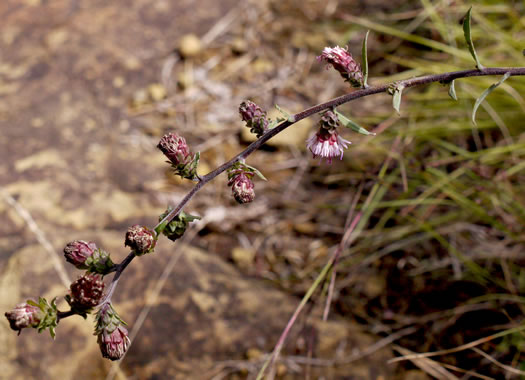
(254, 117)
(342, 61)
(183, 161)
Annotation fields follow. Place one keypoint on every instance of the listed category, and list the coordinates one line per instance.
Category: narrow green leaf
(352, 125)
(160, 228)
(468, 38)
(273, 123)
(364, 57)
(452, 90)
(287, 116)
(396, 99)
(485, 94)
(257, 172)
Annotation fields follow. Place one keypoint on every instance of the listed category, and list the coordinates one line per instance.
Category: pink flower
(327, 144)
(343, 62)
(113, 345)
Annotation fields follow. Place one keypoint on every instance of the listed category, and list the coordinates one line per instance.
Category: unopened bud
(242, 187)
(41, 315)
(140, 239)
(176, 228)
(99, 262)
(112, 336)
(342, 61)
(86, 292)
(24, 315)
(76, 252)
(183, 162)
(175, 148)
(254, 117)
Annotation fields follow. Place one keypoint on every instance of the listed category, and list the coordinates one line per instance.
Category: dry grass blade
(40, 236)
(459, 348)
(466, 372)
(507, 368)
(431, 367)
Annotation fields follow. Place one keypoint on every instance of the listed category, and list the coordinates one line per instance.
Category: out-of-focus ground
(87, 88)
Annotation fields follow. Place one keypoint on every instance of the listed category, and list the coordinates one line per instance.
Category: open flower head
(342, 61)
(327, 144)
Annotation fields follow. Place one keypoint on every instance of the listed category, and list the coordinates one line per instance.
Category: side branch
(413, 82)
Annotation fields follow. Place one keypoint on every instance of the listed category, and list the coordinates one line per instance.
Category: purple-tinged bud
(24, 315)
(254, 117)
(342, 61)
(112, 336)
(41, 315)
(183, 162)
(76, 252)
(140, 239)
(86, 292)
(327, 144)
(242, 187)
(175, 148)
(113, 345)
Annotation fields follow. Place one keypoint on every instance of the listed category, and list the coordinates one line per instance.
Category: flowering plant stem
(203, 180)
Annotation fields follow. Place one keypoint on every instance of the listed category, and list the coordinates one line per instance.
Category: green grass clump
(445, 218)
